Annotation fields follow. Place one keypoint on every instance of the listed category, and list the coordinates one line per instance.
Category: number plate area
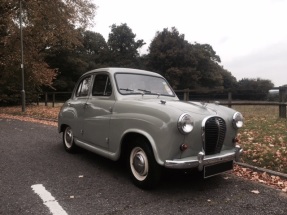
(216, 169)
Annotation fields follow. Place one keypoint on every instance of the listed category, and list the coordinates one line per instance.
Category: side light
(237, 120)
(183, 147)
(185, 123)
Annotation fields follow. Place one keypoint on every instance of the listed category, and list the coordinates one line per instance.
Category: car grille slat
(214, 134)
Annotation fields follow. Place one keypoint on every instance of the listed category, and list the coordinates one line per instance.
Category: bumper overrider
(202, 160)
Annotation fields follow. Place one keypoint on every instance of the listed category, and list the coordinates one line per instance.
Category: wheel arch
(62, 127)
(130, 136)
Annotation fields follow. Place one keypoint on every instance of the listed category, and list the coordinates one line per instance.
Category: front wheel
(144, 170)
(68, 140)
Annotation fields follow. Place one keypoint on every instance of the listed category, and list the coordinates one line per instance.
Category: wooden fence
(228, 101)
(48, 95)
(282, 103)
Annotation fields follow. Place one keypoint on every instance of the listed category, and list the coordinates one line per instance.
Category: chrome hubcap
(69, 137)
(139, 163)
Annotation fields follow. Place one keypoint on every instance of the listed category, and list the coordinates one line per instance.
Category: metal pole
(22, 61)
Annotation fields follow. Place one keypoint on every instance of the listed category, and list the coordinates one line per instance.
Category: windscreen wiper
(127, 89)
(145, 91)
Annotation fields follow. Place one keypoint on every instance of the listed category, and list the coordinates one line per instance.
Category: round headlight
(185, 123)
(237, 120)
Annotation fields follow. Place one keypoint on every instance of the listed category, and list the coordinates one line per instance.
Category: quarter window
(83, 88)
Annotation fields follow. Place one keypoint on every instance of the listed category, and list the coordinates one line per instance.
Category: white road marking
(48, 200)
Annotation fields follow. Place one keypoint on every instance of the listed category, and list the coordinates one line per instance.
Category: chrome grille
(214, 130)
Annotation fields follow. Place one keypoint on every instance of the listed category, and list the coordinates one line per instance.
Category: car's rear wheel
(68, 140)
(144, 170)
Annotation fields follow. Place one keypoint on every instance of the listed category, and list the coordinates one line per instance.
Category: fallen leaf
(255, 191)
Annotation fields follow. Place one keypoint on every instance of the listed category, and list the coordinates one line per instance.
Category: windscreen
(142, 84)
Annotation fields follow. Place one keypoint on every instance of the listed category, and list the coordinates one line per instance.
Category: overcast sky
(250, 36)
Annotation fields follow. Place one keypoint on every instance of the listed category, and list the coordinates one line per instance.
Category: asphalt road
(85, 183)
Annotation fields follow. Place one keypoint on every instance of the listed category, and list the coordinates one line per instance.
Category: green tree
(71, 64)
(46, 26)
(229, 81)
(255, 84)
(123, 46)
(254, 88)
(95, 50)
(187, 65)
(207, 66)
(171, 56)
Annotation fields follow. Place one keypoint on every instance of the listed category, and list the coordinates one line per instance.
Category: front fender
(163, 135)
(149, 138)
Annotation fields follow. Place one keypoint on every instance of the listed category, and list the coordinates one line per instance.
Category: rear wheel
(68, 140)
(144, 170)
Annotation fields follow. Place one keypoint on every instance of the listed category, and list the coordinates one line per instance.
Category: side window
(83, 88)
(102, 85)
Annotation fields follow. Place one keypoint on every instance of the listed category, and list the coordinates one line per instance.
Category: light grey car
(135, 115)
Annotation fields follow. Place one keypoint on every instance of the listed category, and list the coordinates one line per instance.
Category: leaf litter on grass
(264, 139)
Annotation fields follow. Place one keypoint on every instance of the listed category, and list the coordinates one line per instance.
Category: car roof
(113, 70)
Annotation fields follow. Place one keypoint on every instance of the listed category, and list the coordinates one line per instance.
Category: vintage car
(135, 114)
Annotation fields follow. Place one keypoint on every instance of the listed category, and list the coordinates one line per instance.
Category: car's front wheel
(144, 170)
(68, 140)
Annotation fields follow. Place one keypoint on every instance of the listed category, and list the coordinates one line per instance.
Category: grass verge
(264, 137)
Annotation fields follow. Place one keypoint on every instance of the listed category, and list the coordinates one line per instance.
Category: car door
(98, 112)
(78, 105)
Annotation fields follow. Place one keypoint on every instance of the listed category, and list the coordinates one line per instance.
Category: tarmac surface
(32, 154)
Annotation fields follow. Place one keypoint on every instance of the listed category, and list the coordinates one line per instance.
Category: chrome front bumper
(201, 160)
